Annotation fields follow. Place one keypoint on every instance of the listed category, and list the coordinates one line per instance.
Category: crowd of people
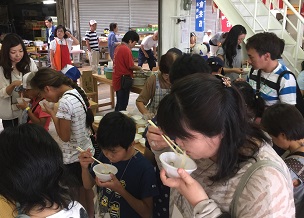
(231, 127)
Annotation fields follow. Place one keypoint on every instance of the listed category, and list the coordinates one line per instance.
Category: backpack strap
(245, 178)
(33, 109)
(298, 153)
(84, 108)
(280, 78)
(257, 79)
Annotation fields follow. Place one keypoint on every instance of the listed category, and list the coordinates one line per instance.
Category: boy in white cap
(92, 42)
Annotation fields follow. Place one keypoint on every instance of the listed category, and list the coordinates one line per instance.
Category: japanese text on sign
(200, 15)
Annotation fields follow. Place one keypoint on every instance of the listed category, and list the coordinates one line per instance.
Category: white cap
(26, 80)
(209, 31)
(92, 22)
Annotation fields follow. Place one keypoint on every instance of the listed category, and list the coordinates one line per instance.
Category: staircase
(256, 17)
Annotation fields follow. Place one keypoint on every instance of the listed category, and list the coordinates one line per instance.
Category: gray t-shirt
(236, 63)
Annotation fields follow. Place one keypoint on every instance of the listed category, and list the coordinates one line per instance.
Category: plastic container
(99, 69)
(139, 81)
(20, 100)
(108, 72)
(49, 104)
(171, 162)
(110, 64)
(102, 171)
(137, 137)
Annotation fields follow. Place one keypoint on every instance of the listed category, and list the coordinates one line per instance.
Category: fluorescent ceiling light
(49, 2)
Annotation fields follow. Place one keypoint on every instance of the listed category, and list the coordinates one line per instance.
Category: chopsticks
(81, 150)
(169, 141)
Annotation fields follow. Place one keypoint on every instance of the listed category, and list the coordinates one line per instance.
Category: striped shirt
(287, 91)
(93, 40)
(71, 109)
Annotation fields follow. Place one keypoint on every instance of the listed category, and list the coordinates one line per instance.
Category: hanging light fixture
(47, 2)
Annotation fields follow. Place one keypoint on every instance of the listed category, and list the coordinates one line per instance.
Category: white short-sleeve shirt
(148, 42)
(67, 41)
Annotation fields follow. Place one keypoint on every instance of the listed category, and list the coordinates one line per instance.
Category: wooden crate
(86, 81)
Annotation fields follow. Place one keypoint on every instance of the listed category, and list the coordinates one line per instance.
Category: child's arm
(34, 119)
(40, 121)
(62, 126)
(142, 206)
(85, 160)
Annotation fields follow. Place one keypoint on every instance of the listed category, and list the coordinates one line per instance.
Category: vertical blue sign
(200, 15)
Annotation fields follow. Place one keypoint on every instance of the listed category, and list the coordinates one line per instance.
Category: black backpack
(300, 101)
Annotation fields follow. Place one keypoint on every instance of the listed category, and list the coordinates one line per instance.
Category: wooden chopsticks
(81, 150)
(169, 141)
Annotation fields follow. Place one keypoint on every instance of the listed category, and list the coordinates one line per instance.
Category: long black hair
(230, 44)
(31, 164)
(201, 102)
(49, 77)
(9, 41)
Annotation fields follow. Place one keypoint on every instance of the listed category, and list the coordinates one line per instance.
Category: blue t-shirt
(111, 43)
(138, 178)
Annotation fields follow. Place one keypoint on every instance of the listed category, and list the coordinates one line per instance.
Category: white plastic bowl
(142, 141)
(136, 117)
(97, 119)
(102, 171)
(20, 100)
(140, 130)
(171, 162)
(125, 112)
(49, 104)
(137, 137)
(141, 123)
(246, 70)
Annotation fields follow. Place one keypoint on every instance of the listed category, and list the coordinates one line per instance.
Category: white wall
(171, 33)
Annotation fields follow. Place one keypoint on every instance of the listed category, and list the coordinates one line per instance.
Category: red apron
(61, 56)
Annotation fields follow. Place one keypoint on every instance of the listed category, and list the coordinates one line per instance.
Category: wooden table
(137, 146)
(103, 79)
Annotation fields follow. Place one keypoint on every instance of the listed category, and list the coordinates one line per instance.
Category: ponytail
(49, 77)
(89, 112)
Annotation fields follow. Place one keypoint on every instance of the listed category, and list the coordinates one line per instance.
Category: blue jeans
(122, 99)
(142, 58)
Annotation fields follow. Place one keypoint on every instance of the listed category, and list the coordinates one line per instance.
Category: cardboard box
(107, 56)
(94, 107)
(153, 25)
(31, 49)
(86, 81)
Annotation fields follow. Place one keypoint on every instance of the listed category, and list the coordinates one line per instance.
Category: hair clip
(226, 81)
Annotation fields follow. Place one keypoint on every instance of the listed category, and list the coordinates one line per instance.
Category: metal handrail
(297, 28)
